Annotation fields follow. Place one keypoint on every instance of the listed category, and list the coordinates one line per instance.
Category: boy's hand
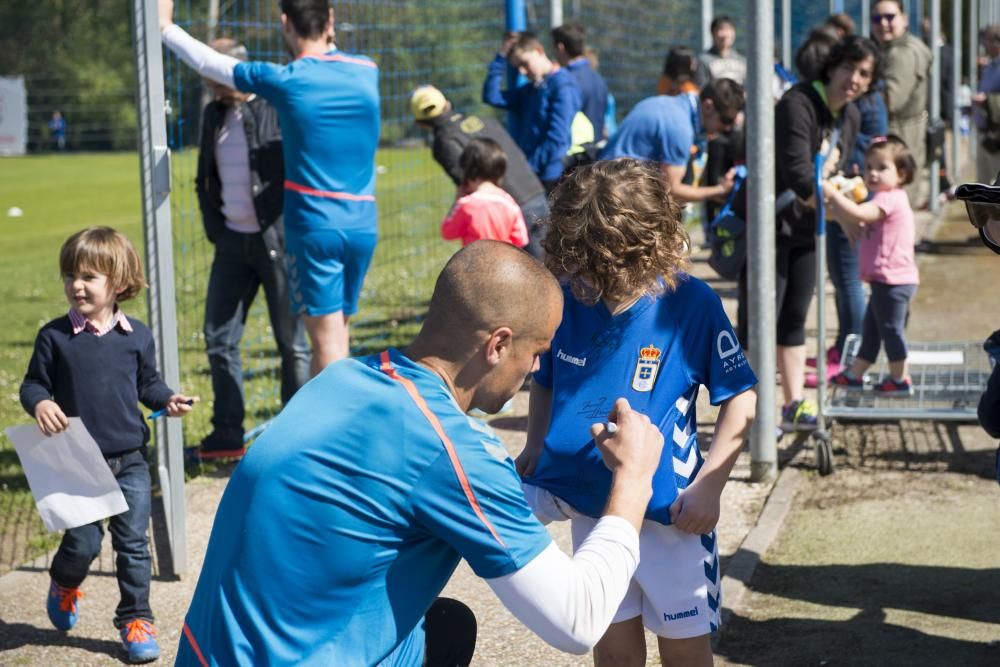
(166, 14)
(509, 39)
(50, 418)
(696, 509)
(527, 460)
(179, 405)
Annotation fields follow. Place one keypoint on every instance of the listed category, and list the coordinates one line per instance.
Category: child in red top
(483, 210)
(886, 235)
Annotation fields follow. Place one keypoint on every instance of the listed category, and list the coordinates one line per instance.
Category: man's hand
(696, 509)
(166, 13)
(634, 448)
(632, 453)
(179, 405)
(50, 418)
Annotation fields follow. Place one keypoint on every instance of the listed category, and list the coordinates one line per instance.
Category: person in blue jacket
(544, 106)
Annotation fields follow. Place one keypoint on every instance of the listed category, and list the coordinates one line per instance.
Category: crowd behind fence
(448, 44)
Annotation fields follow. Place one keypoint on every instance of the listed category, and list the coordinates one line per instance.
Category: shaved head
(489, 284)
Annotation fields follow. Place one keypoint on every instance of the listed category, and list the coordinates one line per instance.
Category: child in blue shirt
(97, 364)
(636, 325)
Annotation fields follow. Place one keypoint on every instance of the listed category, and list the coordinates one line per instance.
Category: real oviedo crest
(646, 368)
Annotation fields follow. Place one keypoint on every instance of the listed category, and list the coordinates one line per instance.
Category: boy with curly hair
(636, 325)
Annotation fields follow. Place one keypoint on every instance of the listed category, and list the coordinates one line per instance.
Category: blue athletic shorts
(326, 269)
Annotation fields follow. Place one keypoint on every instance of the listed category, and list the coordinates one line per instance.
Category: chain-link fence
(447, 43)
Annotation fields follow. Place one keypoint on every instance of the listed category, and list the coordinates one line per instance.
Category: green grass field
(61, 194)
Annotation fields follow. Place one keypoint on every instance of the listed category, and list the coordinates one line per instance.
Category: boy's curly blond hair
(616, 233)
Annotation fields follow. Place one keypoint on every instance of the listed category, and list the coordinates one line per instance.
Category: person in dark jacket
(240, 186)
(452, 132)
(570, 44)
(808, 116)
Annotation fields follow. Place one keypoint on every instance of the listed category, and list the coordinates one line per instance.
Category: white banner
(13, 116)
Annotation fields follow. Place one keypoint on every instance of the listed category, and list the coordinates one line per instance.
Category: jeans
(81, 545)
(885, 321)
(536, 216)
(242, 264)
(849, 293)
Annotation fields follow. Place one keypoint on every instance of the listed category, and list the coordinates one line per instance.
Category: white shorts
(676, 588)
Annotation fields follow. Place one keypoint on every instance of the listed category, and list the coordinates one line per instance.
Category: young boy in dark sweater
(97, 364)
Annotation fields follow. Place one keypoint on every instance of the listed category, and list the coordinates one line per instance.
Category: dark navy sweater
(99, 379)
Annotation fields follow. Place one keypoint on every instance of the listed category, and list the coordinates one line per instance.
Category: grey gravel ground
(27, 638)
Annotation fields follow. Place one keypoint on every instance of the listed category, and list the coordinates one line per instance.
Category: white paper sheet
(69, 478)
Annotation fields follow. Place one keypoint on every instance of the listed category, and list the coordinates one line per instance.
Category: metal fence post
(707, 10)
(956, 84)
(935, 102)
(760, 264)
(973, 81)
(154, 157)
(786, 35)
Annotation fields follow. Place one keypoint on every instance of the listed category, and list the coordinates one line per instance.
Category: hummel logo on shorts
(681, 614)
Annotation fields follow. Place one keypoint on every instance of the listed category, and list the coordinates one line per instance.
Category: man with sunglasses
(907, 64)
(662, 129)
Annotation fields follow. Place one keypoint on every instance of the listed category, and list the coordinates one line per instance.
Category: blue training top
(655, 354)
(658, 128)
(346, 519)
(328, 107)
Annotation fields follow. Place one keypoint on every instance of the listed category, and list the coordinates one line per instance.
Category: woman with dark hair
(841, 253)
(811, 116)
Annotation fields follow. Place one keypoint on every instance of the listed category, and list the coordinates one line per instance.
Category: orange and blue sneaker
(62, 605)
(139, 639)
(891, 387)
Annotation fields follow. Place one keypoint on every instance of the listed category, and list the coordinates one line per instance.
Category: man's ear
(498, 345)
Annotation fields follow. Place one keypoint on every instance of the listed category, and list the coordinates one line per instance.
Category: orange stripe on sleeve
(456, 464)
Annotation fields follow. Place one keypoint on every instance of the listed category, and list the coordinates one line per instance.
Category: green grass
(61, 194)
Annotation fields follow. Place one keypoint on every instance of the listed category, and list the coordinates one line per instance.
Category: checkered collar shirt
(81, 323)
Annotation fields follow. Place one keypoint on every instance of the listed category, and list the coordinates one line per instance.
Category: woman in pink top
(886, 234)
(483, 209)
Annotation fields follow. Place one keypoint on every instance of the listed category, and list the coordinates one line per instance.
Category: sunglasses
(879, 18)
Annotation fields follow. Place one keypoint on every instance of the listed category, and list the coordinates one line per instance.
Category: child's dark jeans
(80, 546)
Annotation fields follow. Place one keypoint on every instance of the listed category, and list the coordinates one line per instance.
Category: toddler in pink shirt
(483, 209)
(885, 233)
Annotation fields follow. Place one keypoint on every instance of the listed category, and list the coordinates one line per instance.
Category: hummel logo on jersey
(576, 361)
(681, 614)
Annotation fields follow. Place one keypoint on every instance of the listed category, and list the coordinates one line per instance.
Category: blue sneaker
(139, 639)
(62, 607)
